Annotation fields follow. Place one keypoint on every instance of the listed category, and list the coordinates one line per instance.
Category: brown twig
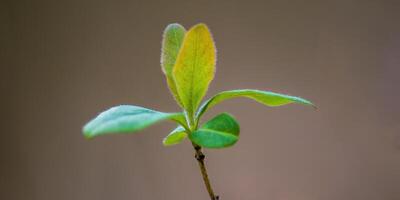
(200, 159)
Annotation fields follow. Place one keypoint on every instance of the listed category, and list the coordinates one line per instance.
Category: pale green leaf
(195, 67)
(264, 97)
(126, 119)
(175, 137)
(221, 131)
(172, 42)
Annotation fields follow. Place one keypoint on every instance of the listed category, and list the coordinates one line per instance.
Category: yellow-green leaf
(175, 137)
(195, 67)
(172, 42)
(265, 97)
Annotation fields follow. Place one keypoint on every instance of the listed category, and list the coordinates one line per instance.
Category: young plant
(188, 61)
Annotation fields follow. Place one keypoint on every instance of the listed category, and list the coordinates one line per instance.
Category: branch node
(199, 156)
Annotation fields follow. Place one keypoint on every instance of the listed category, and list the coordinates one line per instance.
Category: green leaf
(175, 137)
(195, 67)
(221, 131)
(264, 97)
(126, 119)
(172, 42)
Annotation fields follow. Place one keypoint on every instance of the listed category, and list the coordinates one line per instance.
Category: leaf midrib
(195, 58)
(219, 132)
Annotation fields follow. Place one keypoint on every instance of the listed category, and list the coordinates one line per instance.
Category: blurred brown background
(67, 60)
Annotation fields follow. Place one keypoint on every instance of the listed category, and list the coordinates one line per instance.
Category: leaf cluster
(188, 60)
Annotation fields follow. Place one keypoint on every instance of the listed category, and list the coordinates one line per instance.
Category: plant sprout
(188, 60)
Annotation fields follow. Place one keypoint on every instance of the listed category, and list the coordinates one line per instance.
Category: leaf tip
(200, 25)
(164, 142)
(314, 106)
(309, 103)
(174, 26)
(200, 28)
(87, 135)
(87, 132)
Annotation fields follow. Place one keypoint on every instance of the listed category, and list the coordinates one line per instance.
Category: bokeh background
(65, 61)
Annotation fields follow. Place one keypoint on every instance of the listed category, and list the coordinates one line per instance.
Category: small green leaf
(221, 131)
(175, 137)
(126, 119)
(195, 67)
(264, 97)
(171, 44)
